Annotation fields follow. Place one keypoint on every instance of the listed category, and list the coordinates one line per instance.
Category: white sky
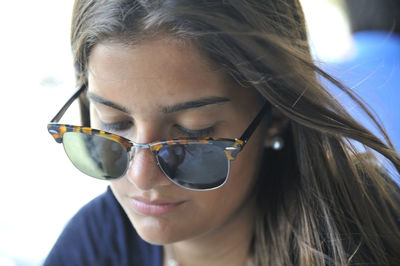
(40, 190)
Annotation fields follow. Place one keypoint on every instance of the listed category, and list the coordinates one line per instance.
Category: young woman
(220, 143)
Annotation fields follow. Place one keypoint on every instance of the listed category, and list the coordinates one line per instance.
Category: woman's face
(130, 89)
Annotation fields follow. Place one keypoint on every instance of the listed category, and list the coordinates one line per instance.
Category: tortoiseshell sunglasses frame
(231, 146)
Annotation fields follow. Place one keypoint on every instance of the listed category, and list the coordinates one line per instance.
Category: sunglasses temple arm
(254, 124)
(60, 113)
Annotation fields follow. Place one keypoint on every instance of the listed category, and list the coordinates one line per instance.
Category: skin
(208, 227)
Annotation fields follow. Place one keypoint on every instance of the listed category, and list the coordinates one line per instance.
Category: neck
(230, 244)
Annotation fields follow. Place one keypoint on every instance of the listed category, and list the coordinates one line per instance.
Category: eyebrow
(166, 110)
(194, 104)
(98, 99)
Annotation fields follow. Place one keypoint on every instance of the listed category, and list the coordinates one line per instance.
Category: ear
(277, 125)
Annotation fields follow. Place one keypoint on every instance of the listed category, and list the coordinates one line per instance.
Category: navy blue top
(101, 234)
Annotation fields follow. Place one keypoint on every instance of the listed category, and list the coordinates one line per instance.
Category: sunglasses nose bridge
(135, 148)
(141, 146)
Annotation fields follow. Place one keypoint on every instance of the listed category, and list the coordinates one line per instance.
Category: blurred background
(40, 190)
(356, 40)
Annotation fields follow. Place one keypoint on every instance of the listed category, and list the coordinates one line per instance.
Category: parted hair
(320, 200)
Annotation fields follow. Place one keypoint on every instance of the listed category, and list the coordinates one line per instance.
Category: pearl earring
(277, 143)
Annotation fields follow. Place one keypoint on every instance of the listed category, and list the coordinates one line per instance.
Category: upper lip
(156, 201)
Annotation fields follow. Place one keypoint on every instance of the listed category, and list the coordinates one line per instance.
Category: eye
(206, 132)
(115, 127)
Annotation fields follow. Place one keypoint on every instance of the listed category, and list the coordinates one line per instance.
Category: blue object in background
(373, 71)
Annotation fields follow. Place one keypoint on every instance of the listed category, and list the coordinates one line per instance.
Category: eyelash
(121, 126)
(206, 132)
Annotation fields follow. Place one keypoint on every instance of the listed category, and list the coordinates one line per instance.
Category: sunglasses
(191, 163)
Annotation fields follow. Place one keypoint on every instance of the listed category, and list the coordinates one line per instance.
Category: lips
(154, 207)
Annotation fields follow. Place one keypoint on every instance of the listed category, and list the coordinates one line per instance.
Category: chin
(157, 231)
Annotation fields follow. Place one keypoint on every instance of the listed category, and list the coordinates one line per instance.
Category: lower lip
(154, 209)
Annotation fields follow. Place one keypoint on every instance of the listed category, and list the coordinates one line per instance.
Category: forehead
(154, 69)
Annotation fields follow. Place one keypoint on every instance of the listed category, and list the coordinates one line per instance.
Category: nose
(144, 172)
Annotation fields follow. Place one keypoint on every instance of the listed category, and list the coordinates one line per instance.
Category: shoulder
(101, 234)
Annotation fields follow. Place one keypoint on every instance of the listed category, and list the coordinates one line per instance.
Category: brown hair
(320, 202)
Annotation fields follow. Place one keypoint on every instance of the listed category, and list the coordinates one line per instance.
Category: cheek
(246, 167)
(94, 121)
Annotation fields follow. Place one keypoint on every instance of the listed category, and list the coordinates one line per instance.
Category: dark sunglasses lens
(96, 156)
(194, 166)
